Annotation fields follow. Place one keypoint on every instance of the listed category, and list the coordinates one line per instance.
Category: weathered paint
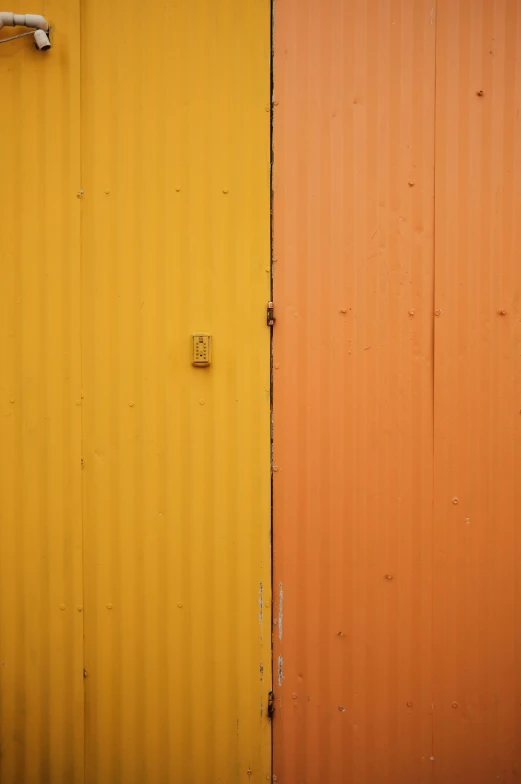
(41, 640)
(396, 390)
(477, 378)
(175, 228)
(353, 408)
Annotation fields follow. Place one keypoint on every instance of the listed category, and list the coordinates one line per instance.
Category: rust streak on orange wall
(353, 408)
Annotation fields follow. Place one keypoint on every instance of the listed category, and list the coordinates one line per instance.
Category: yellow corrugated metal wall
(41, 644)
(135, 208)
(175, 239)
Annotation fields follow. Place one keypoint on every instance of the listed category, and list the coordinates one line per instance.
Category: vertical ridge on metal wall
(353, 407)
(175, 120)
(41, 621)
(477, 601)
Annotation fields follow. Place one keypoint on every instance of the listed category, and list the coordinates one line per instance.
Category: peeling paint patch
(280, 671)
(281, 609)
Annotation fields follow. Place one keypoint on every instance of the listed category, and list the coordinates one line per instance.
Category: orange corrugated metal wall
(477, 393)
(397, 167)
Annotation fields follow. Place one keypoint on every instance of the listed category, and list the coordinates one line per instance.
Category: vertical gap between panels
(272, 98)
(433, 327)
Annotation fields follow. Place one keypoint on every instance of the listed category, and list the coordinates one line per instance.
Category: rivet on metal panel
(480, 93)
(80, 193)
(201, 402)
(109, 607)
(12, 400)
(275, 622)
(431, 759)
(177, 190)
(179, 604)
(274, 778)
(388, 577)
(107, 191)
(277, 366)
(341, 709)
(454, 501)
(411, 313)
(454, 704)
(340, 634)
(62, 607)
(502, 312)
(275, 103)
(293, 696)
(409, 704)
(467, 520)
(410, 184)
(343, 310)
(80, 608)
(267, 108)
(78, 402)
(437, 312)
(249, 772)
(131, 403)
(225, 190)
(275, 468)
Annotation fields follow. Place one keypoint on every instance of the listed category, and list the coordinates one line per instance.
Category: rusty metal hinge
(270, 319)
(271, 705)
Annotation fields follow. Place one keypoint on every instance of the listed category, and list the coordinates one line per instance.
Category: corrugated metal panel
(176, 474)
(353, 277)
(477, 601)
(41, 642)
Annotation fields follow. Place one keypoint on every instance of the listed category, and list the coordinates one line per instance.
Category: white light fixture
(37, 23)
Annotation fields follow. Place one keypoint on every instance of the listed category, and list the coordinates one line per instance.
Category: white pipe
(23, 20)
